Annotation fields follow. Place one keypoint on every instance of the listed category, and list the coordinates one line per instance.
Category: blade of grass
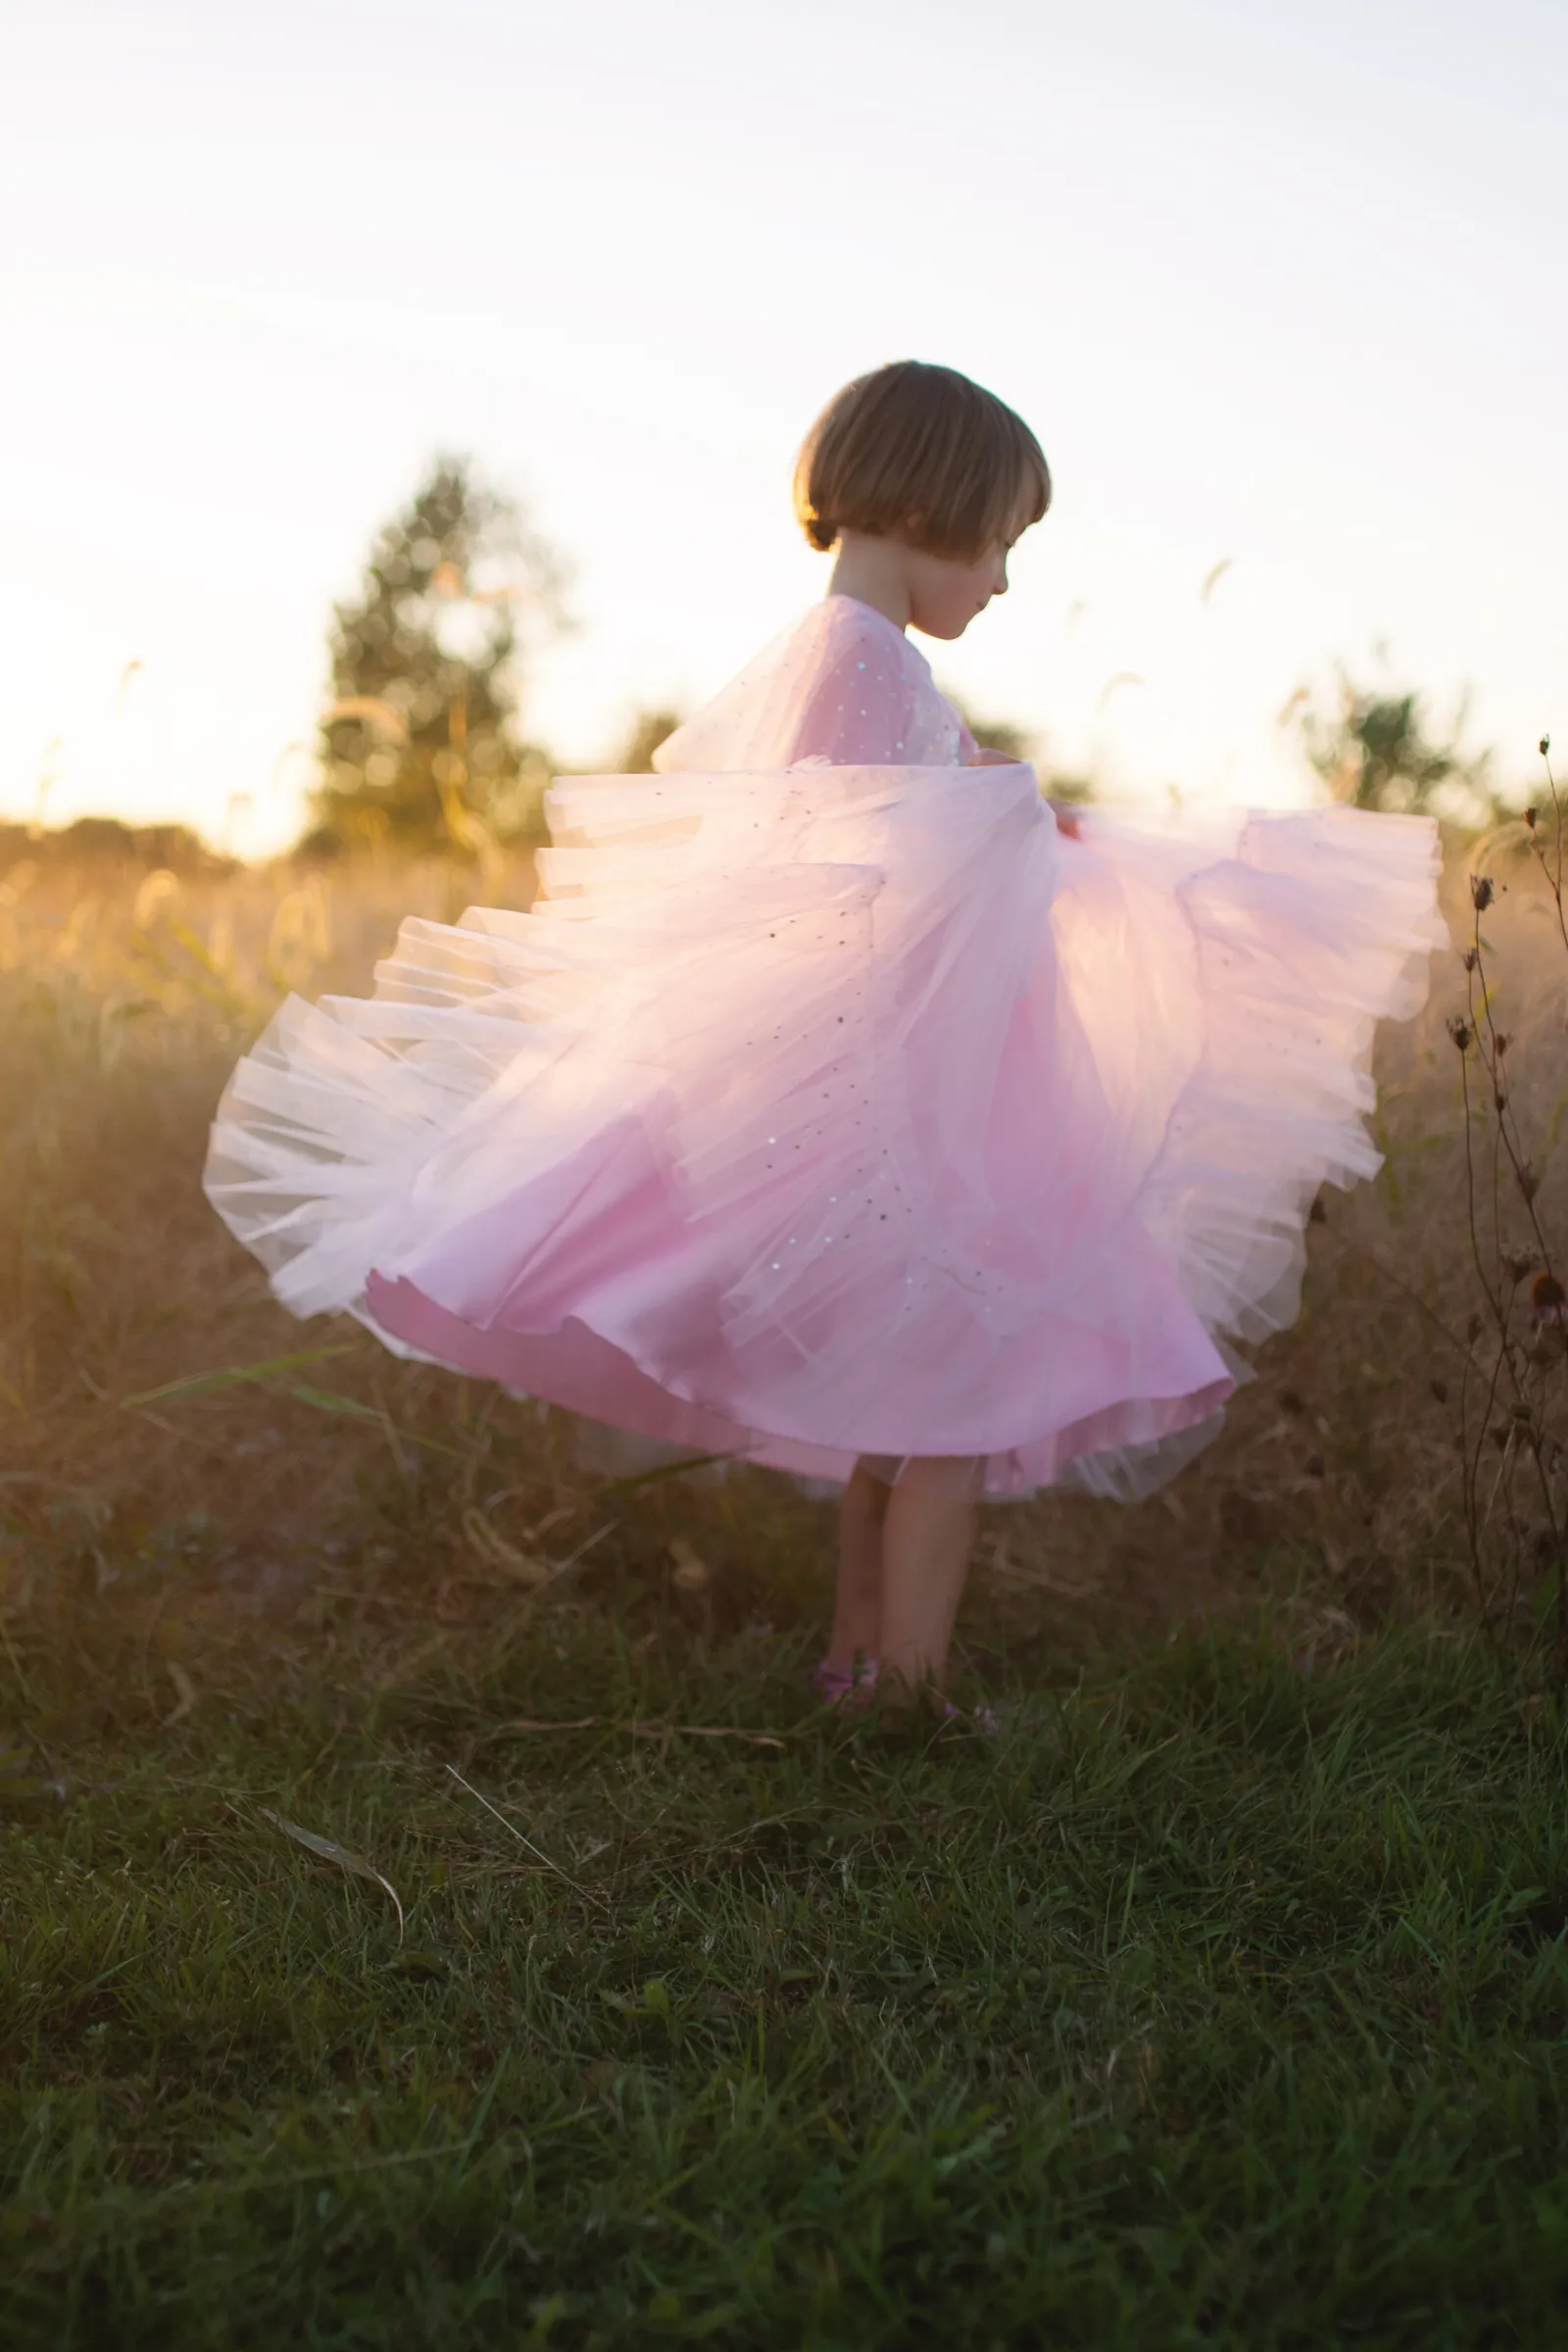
(652, 1478)
(330, 1851)
(329, 1400)
(270, 1369)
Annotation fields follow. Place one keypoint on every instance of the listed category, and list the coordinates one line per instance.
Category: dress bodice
(842, 685)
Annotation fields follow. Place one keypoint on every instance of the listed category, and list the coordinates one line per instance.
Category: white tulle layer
(848, 1111)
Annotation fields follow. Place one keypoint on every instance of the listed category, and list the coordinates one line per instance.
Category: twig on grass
(587, 1894)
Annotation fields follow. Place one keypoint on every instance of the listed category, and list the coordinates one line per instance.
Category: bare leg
(858, 1604)
(926, 1539)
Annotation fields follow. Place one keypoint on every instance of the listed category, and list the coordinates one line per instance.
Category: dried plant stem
(1517, 1373)
(1553, 871)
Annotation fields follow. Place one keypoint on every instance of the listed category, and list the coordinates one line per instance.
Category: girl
(839, 1107)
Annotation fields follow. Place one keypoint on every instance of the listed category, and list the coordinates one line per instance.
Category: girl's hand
(1064, 811)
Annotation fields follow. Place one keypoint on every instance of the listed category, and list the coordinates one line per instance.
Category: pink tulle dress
(830, 1103)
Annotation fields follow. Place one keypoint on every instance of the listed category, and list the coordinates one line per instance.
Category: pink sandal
(853, 1687)
(847, 1686)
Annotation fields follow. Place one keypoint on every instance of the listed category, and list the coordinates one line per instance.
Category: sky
(1276, 284)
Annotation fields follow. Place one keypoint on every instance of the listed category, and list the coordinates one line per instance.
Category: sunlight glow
(1280, 290)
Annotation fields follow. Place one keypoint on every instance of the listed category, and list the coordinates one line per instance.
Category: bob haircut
(920, 453)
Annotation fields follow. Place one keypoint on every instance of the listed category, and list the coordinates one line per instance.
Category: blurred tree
(648, 730)
(1018, 742)
(419, 744)
(1058, 786)
(106, 841)
(1375, 752)
(994, 734)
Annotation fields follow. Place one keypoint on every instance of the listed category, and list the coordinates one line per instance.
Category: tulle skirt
(840, 1112)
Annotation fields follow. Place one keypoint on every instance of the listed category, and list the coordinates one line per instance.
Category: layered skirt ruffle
(848, 1111)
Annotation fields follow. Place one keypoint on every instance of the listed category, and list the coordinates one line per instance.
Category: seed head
(1518, 1263)
(1529, 818)
(1460, 1032)
(1527, 1181)
(1545, 745)
(1548, 1299)
(1470, 959)
(1481, 891)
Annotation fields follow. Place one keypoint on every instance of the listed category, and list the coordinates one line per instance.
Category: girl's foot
(847, 1685)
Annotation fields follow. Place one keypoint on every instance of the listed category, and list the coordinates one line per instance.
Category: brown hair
(922, 453)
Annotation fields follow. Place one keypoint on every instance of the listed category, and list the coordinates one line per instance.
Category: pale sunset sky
(1282, 284)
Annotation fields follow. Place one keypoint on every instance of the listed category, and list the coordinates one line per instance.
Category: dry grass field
(135, 1337)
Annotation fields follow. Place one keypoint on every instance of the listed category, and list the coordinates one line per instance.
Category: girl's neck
(874, 572)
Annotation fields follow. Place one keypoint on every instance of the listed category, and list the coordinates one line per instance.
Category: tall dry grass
(162, 1418)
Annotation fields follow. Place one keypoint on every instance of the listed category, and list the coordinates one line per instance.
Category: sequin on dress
(830, 1103)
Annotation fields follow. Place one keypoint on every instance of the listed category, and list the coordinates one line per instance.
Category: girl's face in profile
(947, 592)
(938, 595)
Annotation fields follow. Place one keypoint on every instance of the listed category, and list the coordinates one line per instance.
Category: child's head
(922, 456)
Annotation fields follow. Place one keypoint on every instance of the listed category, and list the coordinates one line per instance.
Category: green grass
(1215, 2002)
